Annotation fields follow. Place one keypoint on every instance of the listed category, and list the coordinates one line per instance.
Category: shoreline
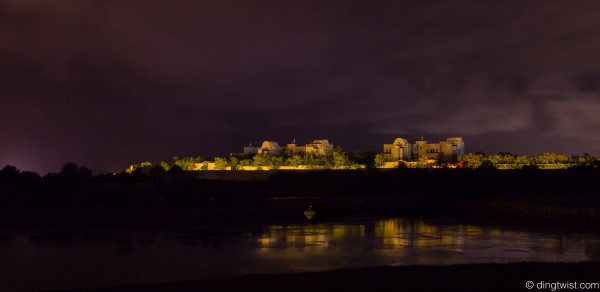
(580, 212)
(467, 277)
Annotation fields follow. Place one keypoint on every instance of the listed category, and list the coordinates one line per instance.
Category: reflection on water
(75, 258)
(315, 235)
(401, 242)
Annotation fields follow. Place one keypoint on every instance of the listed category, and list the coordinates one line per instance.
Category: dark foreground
(557, 196)
(566, 200)
(474, 277)
(563, 195)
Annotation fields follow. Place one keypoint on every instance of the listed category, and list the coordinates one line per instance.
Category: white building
(448, 150)
(270, 147)
(400, 149)
(317, 147)
(293, 149)
(249, 150)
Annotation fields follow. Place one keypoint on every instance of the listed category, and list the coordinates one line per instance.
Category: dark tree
(157, 172)
(366, 158)
(486, 164)
(9, 171)
(73, 173)
(175, 170)
(9, 175)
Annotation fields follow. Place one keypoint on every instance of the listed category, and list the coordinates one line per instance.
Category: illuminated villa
(267, 147)
(317, 147)
(448, 150)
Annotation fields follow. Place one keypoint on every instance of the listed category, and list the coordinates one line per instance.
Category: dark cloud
(107, 83)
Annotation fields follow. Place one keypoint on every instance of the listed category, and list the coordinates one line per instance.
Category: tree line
(333, 159)
(507, 160)
(71, 173)
(338, 159)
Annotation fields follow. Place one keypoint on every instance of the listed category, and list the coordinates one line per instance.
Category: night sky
(110, 83)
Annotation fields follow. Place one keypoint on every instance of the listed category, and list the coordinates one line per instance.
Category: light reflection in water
(92, 258)
(398, 241)
(391, 233)
(299, 236)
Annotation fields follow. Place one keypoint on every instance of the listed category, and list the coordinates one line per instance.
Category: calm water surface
(49, 259)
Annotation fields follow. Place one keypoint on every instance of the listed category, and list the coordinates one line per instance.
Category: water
(50, 259)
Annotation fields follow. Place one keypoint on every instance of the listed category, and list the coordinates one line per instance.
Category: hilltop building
(317, 147)
(267, 147)
(400, 149)
(293, 148)
(448, 150)
(248, 151)
(270, 147)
